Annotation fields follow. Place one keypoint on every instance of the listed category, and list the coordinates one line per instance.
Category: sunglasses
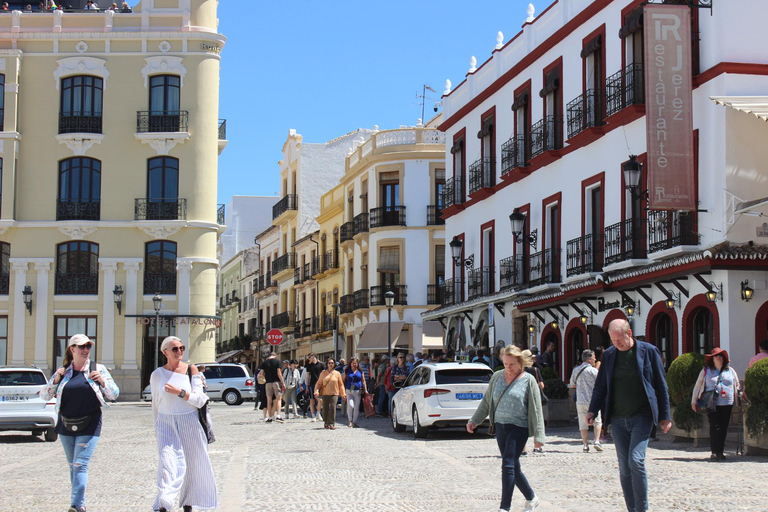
(84, 346)
(401, 358)
(178, 349)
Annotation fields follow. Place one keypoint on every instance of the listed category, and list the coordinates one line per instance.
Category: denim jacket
(110, 391)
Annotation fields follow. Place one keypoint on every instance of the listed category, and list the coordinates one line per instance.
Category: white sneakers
(598, 447)
(314, 419)
(531, 504)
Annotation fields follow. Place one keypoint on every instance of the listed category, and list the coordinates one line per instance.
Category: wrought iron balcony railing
(544, 267)
(221, 214)
(480, 282)
(160, 283)
(317, 265)
(330, 261)
(435, 294)
(481, 175)
(433, 215)
(346, 304)
(328, 324)
(387, 216)
(360, 223)
(546, 135)
(222, 129)
(346, 232)
(361, 299)
(624, 88)
(80, 122)
(75, 209)
(284, 262)
(269, 282)
(453, 291)
(667, 229)
(285, 319)
(306, 274)
(289, 202)
(514, 153)
(400, 291)
(625, 240)
(584, 254)
(77, 284)
(4, 283)
(168, 121)
(453, 191)
(586, 111)
(513, 272)
(297, 276)
(174, 208)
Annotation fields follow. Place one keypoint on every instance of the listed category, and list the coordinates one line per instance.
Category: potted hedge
(756, 418)
(681, 379)
(557, 408)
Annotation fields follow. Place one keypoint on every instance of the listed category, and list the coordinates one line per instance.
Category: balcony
(4, 280)
(306, 273)
(330, 261)
(267, 282)
(453, 192)
(400, 291)
(546, 135)
(328, 323)
(75, 209)
(625, 240)
(162, 121)
(586, 111)
(481, 175)
(80, 122)
(317, 266)
(282, 320)
(434, 294)
(453, 292)
(480, 282)
(286, 204)
(297, 276)
(544, 267)
(309, 326)
(78, 284)
(433, 215)
(285, 262)
(346, 232)
(222, 129)
(361, 299)
(360, 224)
(221, 217)
(513, 154)
(160, 283)
(346, 304)
(387, 216)
(160, 209)
(624, 88)
(584, 255)
(513, 273)
(667, 229)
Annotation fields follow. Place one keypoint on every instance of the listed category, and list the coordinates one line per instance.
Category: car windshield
(21, 378)
(463, 376)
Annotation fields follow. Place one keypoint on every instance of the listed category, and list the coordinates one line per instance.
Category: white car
(21, 408)
(439, 395)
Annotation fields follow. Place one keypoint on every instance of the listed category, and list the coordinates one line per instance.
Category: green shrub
(756, 386)
(555, 388)
(681, 380)
(549, 373)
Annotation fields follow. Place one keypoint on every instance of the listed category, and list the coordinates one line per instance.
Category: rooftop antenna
(423, 97)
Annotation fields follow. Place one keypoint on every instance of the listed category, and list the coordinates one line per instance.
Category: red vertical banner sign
(669, 109)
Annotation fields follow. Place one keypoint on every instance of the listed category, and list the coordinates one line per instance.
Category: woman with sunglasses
(354, 382)
(185, 469)
(329, 387)
(82, 388)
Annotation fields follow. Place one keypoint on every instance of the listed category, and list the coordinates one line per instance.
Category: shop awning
(228, 357)
(374, 338)
(755, 105)
(432, 336)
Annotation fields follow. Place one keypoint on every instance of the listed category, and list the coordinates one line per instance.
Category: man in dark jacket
(632, 385)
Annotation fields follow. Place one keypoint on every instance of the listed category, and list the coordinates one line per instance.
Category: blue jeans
(511, 440)
(78, 451)
(630, 436)
(381, 409)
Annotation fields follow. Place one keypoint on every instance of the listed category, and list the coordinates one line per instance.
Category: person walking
(83, 388)
(381, 405)
(354, 383)
(513, 401)
(632, 385)
(185, 469)
(717, 376)
(291, 380)
(584, 377)
(314, 369)
(274, 387)
(330, 386)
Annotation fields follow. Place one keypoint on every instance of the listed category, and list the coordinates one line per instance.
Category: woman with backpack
(356, 387)
(82, 387)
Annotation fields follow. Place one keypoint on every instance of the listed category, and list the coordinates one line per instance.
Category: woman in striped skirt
(185, 469)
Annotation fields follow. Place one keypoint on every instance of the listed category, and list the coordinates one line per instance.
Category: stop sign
(275, 337)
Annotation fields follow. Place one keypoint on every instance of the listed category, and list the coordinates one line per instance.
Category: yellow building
(109, 150)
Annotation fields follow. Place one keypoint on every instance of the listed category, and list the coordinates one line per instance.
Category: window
(454, 193)
(5, 267)
(438, 189)
(487, 136)
(389, 268)
(520, 149)
(68, 326)
(79, 189)
(165, 113)
(488, 259)
(703, 331)
(160, 267)
(439, 264)
(163, 188)
(81, 104)
(594, 82)
(547, 135)
(389, 213)
(77, 268)
(3, 340)
(664, 338)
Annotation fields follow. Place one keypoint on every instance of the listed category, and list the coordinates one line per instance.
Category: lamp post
(335, 307)
(456, 248)
(118, 293)
(158, 301)
(389, 300)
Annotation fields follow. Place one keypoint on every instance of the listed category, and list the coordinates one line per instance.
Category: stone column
(107, 341)
(130, 302)
(19, 311)
(43, 267)
(183, 300)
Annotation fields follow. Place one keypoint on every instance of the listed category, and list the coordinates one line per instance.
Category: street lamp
(28, 298)
(158, 301)
(456, 249)
(633, 173)
(335, 307)
(389, 300)
(118, 293)
(746, 291)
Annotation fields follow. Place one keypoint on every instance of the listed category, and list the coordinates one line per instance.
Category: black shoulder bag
(81, 423)
(492, 426)
(202, 414)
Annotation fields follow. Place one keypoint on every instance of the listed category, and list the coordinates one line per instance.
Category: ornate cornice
(160, 232)
(162, 143)
(80, 143)
(163, 64)
(77, 232)
(81, 64)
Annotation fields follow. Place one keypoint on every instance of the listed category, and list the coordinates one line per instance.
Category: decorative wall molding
(77, 232)
(81, 47)
(80, 143)
(183, 265)
(164, 47)
(160, 232)
(43, 266)
(163, 144)
(3, 229)
(163, 64)
(79, 65)
(14, 88)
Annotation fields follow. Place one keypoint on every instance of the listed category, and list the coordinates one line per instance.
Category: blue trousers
(78, 450)
(382, 405)
(511, 440)
(630, 437)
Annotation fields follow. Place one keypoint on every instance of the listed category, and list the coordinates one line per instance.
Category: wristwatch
(182, 393)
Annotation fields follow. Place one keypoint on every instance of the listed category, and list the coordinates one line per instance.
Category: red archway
(544, 334)
(699, 301)
(658, 309)
(761, 325)
(574, 325)
(614, 314)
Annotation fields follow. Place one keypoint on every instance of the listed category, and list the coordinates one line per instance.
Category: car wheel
(232, 397)
(51, 435)
(396, 426)
(419, 431)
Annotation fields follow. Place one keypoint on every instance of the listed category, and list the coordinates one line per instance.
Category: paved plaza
(299, 466)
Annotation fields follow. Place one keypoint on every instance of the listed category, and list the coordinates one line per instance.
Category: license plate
(14, 398)
(469, 396)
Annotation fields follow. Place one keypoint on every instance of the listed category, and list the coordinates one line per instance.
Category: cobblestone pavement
(299, 466)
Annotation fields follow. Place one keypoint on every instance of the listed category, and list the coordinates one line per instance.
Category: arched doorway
(456, 338)
(664, 338)
(575, 343)
(552, 335)
(761, 325)
(597, 337)
(702, 331)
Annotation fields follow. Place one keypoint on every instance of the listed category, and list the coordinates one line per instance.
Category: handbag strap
(579, 375)
(493, 407)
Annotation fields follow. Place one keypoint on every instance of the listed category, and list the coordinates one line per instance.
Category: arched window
(577, 346)
(160, 267)
(5, 267)
(163, 190)
(77, 268)
(79, 189)
(165, 104)
(703, 331)
(663, 338)
(82, 100)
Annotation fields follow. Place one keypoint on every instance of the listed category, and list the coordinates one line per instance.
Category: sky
(326, 68)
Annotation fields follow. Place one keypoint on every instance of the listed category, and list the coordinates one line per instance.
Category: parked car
(230, 382)
(21, 408)
(439, 395)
